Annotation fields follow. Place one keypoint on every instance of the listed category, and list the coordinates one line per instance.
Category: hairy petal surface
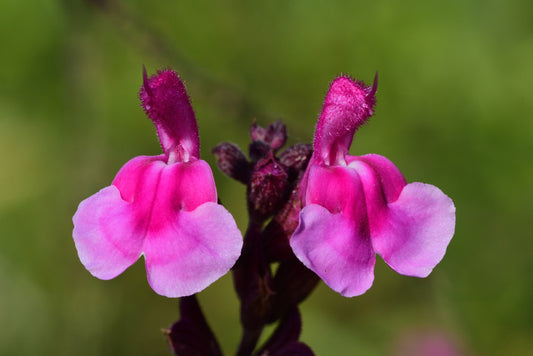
(192, 251)
(337, 250)
(348, 104)
(107, 235)
(167, 104)
(417, 230)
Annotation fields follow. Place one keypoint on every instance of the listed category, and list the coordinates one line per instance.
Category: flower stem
(248, 274)
(250, 337)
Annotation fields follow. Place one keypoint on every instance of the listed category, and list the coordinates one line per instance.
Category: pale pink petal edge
(104, 234)
(330, 245)
(418, 228)
(198, 248)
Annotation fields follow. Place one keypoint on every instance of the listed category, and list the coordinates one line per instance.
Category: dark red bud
(257, 133)
(232, 162)
(274, 135)
(296, 156)
(275, 236)
(267, 188)
(258, 150)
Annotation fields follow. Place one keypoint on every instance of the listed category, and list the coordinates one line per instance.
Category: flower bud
(232, 162)
(267, 187)
(296, 156)
(273, 137)
(258, 150)
(275, 134)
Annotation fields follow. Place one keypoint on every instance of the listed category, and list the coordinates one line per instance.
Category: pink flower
(163, 207)
(357, 206)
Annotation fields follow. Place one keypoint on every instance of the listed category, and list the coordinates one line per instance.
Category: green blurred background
(454, 109)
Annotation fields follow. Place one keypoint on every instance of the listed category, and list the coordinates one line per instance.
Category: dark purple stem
(249, 274)
(273, 193)
(249, 341)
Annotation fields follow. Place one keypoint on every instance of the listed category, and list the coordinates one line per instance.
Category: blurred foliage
(454, 109)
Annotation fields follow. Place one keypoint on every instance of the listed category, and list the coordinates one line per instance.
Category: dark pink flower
(357, 206)
(163, 207)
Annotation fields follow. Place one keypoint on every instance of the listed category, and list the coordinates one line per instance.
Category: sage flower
(357, 206)
(163, 207)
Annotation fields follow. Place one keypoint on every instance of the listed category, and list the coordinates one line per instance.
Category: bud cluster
(269, 177)
(272, 181)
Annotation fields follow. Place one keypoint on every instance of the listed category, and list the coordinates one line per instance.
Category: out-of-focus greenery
(454, 109)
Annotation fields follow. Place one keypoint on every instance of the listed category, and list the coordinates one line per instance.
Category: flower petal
(390, 177)
(106, 234)
(158, 190)
(183, 186)
(130, 179)
(335, 249)
(382, 183)
(338, 189)
(348, 104)
(167, 104)
(416, 231)
(193, 251)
